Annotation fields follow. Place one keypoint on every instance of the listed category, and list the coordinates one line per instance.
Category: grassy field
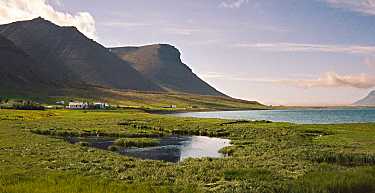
(149, 101)
(264, 156)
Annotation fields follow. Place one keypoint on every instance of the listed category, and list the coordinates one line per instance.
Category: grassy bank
(159, 102)
(136, 142)
(264, 156)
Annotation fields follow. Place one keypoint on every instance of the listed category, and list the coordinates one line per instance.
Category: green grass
(147, 101)
(264, 156)
(136, 142)
(52, 182)
(357, 180)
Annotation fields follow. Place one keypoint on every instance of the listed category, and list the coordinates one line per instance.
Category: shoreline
(162, 112)
(166, 112)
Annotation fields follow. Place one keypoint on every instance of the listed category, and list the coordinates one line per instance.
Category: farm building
(101, 105)
(60, 102)
(171, 106)
(77, 105)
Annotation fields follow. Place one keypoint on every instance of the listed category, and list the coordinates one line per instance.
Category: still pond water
(170, 148)
(303, 116)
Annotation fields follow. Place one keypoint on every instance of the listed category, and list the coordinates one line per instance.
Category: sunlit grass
(264, 156)
(136, 142)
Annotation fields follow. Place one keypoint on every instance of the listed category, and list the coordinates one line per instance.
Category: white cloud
(366, 7)
(296, 47)
(17, 10)
(233, 3)
(183, 30)
(55, 2)
(330, 79)
(122, 24)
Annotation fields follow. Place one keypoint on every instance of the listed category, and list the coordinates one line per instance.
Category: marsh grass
(264, 157)
(358, 180)
(253, 173)
(76, 133)
(62, 183)
(343, 158)
(137, 142)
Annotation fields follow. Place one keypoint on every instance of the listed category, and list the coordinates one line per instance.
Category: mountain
(66, 58)
(162, 64)
(369, 100)
(16, 70)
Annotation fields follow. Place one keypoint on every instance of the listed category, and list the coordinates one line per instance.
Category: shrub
(28, 105)
(113, 148)
(83, 144)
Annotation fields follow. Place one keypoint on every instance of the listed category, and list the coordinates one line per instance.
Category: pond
(170, 148)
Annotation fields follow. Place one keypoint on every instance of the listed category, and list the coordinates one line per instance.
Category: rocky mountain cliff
(39, 54)
(162, 64)
(369, 100)
(65, 57)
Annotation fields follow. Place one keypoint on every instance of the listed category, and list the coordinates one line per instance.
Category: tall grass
(78, 133)
(360, 180)
(343, 158)
(136, 142)
(57, 183)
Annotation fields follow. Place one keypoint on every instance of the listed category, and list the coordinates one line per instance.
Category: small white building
(77, 105)
(101, 105)
(171, 106)
(60, 102)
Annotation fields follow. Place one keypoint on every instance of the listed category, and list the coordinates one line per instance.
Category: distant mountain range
(369, 100)
(39, 54)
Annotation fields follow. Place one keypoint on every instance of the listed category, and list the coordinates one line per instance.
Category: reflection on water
(171, 148)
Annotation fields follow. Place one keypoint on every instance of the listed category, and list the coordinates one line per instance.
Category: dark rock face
(66, 57)
(16, 68)
(369, 100)
(162, 64)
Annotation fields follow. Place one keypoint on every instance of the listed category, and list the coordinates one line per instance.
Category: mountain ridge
(162, 63)
(70, 58)
(41, 60)
(369, 100)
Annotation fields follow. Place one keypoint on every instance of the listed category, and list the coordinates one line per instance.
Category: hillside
(183, 102)
(45, 62)
(67, 58)
(16, 70)
(369, 100)
(162, 64)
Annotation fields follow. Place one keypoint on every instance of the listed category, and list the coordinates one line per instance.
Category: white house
(101, 105)
(60, 102)
(77, 105)
(171, 106)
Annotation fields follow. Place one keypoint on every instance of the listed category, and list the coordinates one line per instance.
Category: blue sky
(280, 52)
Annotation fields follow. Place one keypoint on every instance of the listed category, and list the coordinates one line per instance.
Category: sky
(278, 52)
